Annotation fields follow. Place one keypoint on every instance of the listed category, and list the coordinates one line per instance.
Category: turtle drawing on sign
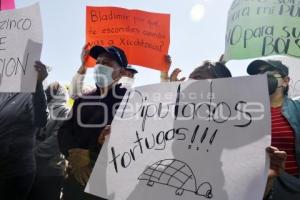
(177, 174)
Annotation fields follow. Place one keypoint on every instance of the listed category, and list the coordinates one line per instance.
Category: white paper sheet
(21, 40)
(206, 140)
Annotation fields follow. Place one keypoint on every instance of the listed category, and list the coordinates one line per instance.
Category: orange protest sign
(144, 36)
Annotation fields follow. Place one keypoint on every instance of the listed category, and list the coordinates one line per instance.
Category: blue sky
(191, 41)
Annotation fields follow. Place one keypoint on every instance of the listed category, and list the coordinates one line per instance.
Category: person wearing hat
(283, 181)
(77, 87)
(91, 113)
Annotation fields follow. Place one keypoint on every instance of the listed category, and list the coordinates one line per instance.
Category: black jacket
(90, 114)
(20, 115)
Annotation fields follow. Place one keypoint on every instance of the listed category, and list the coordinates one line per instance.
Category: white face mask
(126, 82)
(103, 75)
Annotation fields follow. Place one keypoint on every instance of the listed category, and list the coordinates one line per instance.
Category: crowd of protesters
(48, 151)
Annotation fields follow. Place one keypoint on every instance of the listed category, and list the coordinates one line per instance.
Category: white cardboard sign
(20, 46)
(186, 141)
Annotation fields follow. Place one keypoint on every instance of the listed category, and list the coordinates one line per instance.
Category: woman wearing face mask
(91, 114)
(283, 182)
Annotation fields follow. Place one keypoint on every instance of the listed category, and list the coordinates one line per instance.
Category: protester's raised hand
(174, 75)
(41, 70)
(84, 54)
(277, 161)
(104, 134)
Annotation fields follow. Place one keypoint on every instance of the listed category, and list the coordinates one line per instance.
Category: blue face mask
(103, 75)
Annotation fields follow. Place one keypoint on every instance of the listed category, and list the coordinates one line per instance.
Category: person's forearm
(82, 70)
(164, 77)
(40, 106)
(77, 85)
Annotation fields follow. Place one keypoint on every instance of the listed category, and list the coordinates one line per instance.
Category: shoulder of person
(294, 103)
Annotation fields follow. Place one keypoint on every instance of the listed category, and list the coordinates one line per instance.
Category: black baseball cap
(117, 53)
(254, 67)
